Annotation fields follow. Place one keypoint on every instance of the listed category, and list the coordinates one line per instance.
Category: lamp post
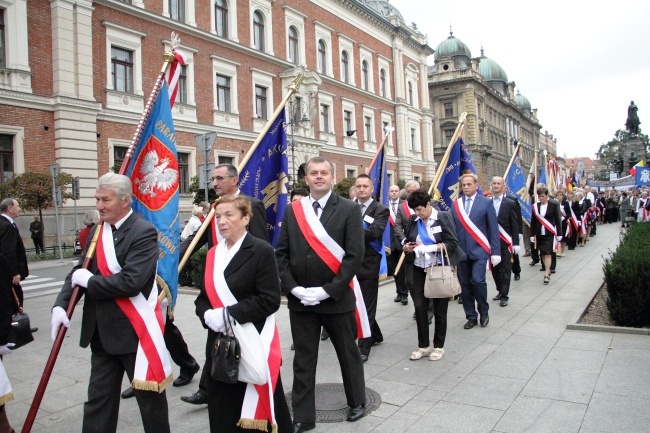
(295, 109)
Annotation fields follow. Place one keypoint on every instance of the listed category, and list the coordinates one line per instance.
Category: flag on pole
(459, 163)
(542, 176)
(638, 164)
(379, 176)
(265, 175)
(516, 185)
(155, 178)
(173, 74)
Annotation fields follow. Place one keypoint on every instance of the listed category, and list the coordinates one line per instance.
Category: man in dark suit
(225, 181)
(105, 327)
(319, 296)
(11, 245)
(477, 230)
(375, 217)
(394, 202)
(508, 223)
(36, 228)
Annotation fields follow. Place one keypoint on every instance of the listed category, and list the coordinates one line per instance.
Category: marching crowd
(327, 263)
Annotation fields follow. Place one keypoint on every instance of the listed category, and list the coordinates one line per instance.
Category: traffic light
(76, 191)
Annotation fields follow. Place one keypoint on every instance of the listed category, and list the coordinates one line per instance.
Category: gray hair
(91, 217)
(205, 206)
(6, 203)
(232, 170)
(472, 175)
(412, 182)
(117, 183)
(319, 160)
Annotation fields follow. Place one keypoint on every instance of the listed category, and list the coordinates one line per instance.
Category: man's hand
(80, 277)
(299, 292)
(59, 317)
(314, 296)
(516, 249)
(558, 238)
(495, 260)
(532, 239)
(15, 280)
(214, 320)
(5, 349)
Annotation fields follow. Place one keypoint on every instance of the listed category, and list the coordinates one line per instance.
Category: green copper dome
(522, 102)
(451, 47)
(490, 70)
(383, 8)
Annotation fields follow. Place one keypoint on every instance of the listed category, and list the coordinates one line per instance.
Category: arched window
(322, 57)
(258, 31)
(382, 82)
(364, 75)
(293, 45)
(410, 93)
(221, 18)
(345, 71)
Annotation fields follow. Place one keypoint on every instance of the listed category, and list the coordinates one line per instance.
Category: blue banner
(266, 176)
(459, 163)
(516, 186)
(155, 178)
(379, 176)
(642, 176)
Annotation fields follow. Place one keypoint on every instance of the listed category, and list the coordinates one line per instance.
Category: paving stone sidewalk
(524, 372)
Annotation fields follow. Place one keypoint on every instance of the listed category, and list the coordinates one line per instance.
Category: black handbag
(225, 354)
(21, 331)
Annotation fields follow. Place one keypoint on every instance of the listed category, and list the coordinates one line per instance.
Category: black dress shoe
(199, 397)
(460, 300)
(292, 348)
(128, 393)
(186, 377)
(504, 302)
(398, 298)
(324, 335)
(299, 427)
(517, 277)
(552, 271)
(470, 324)
(485, 319)
(533, 263)
(405, 300)
(364, 358)
(34, 329)
(542, 269)
(497, 297)
(356, 413)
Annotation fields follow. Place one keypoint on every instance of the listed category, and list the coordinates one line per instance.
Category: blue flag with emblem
(155, 179)
(265, 176)
(459, 163)
(379, 176)
(515, 181)
(542, 176)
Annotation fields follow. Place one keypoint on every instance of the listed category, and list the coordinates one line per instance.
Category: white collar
(365, 203)
(321, 201)
(120, 222)
(11, 220)
(432, 217)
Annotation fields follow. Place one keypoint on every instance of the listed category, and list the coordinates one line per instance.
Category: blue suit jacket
(484, 217)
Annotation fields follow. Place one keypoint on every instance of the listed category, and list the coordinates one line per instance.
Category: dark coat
(551, 215)
(509, 219)
(136, 248)
(393, 241)
(447, 236)
(12, 247)
(375, 231)
(300, 266)
(482, 214)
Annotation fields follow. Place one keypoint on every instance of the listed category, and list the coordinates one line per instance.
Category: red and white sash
(153, 369)
(258, 407)
(547, 225)
(505, 237)
(331, 253)
(6, 394)
(214, 230)
(406, 209)
(471, 228)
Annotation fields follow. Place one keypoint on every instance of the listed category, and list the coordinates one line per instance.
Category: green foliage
(343, 187)
(616, 147)
(192, 272)
(300, 184)
(199, 193)
(33, 190)
(627, 276)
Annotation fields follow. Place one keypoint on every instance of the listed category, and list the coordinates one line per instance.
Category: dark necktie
(362, 207)
(394, 206)
(113, 228)
(316, 206)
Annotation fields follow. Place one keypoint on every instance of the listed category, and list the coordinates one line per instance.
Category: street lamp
(297, 115)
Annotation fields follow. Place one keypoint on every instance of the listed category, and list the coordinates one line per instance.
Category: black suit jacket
(401, 220)
(447, 236)
(136, 248)
(300, 266)
(7, 303)
(375, 231)
(552, 215)
(13, 249)
(252, 277)
(393, 240)
(509, 220)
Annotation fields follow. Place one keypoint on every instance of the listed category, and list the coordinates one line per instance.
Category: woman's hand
(214, 320)
(409, 247)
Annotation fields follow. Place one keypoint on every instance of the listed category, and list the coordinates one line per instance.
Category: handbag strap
(20, 308)
(445, 255)
(226, 321)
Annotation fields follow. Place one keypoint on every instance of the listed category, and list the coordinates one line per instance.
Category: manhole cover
(331, 404)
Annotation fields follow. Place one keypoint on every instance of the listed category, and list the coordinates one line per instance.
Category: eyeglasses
(219, 178)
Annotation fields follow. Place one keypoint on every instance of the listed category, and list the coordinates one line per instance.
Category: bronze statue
(632, 123)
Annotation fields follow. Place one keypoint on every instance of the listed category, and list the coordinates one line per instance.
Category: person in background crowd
(625, 209)
(7, 307)
(394, 202)
(36, 229)
(509, 221)
(12, 247)
(641, 204)
(90, 219)
(193, 224)
(565, 212)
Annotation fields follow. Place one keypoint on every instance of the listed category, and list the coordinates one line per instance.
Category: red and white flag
(173, 74)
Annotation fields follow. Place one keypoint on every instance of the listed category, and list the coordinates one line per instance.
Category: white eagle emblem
(156, 175)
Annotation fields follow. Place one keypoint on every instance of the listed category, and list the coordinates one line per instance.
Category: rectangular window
(183, 172)
(223, 93)
(6, 157)
(119, 153)
(297, 111)
(412, 144)
(325, 118)
(181, 94)
(350, 173)
(367, 126)
(2, 38)
(177, 10)
(384, 125)
(225, 159)
(260, 102)
(122, 69)
(449, 133)
(347, 121)
(221, 18)
(449, 109)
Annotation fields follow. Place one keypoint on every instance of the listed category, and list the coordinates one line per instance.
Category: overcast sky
(579, 63)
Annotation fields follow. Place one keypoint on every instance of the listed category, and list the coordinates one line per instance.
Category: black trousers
(38, 244)
(422, 304)
(370, 290)
(534, 253)
(177, 347)
(502, 272)
(400, 278)
(103, 405)
(516, 264)
(572, 240)
(305, 330)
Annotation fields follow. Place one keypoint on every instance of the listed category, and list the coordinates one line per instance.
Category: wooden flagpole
(513, 158)
(293, 88)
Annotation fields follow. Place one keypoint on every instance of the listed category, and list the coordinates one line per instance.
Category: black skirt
(545, 244)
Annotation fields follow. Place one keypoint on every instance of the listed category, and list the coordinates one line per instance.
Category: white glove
(299, 292)
(59, 317)
(558, 238)
(214, 320)
(314, 296)
(532, 239)
(495, 260)
(422, 249)
(80, 277)
(6, 349)
(516, 249)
